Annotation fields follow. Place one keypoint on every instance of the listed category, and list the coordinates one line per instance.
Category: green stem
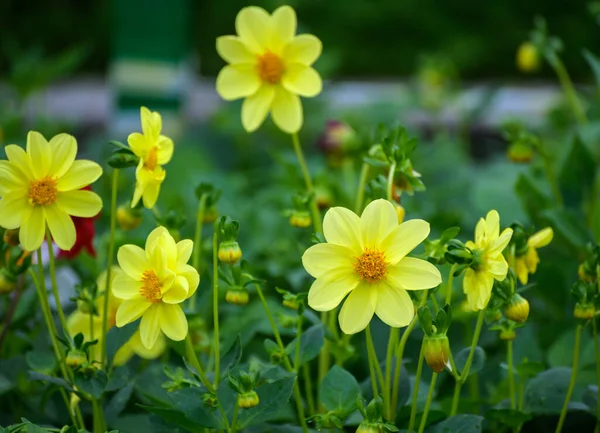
(455, 397)
(360, 193)
(428, 403)
(597, 356)
(373, 357)
(198, 244)
(308, 390)
(392, 342)
(552, 179)
(569, 89)
(98, 413)
(371, 367)
(390, 181)
(316, 215)
(191, 356)
(216, 309)
(415, 396)
(298, 335)
(449, 284)
(59, 309)
(110, 258)
(511, 374)
(236, 409)
(563, 412)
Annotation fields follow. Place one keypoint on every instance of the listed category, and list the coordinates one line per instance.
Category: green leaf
(273, 398)
(311, 342)
(569, 227)
(577, 174)
(460, 424)
(510, 417)
(174, 417)
(5, 384)
(232, 357)
(34, 375)
(338, 391)
(530, 369)
(477, 363)
(590, 397)
(545, 394)
(93, 384)
(594, 63)
(41, 361)
(532, 198)
(117, 337)
(117, 403)
(189, 402)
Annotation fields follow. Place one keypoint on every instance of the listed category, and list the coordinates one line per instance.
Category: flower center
(42, 191)
(150, 286)
(371, 266)
(151, 160)
(270, 68)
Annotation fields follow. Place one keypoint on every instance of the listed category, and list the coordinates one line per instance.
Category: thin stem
(110, 258)
(360, 192)
(91, 326)
(455, 397)
(415, 396)
(59, 309)
(298, 335)
(191, 356)
(98, 421)
(392, 342)
(428, 403)
(316, 215)
(236, 409)
(569, 89)
(373, 357)
(563, 412)
(597, 356)
(371, 368)
(390, 181)
(216, 308)
(308, 390)
(511, 374)
(449, 284)
(198, 243)
(552, 179)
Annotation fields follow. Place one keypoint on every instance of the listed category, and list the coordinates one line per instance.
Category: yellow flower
(43, 186)
(79, 322)
(528, 57)
(269, 66)
(154, 151)
(366, 257)
(488, 261)
(153, 283)
(526, 263)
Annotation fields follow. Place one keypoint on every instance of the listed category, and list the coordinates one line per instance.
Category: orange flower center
(42, 191)
(151, 160)
(270, 68)
(150, 286)
(371, 266)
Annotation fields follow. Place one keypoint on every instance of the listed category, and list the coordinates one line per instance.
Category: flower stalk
(576, 346)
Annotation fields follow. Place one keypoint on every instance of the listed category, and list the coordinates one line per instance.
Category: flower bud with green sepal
(373, 417)
(86, 298)
(517, 309)
(299, 215)
(293, 301)
(587, 299)
(78, 353)
(436, 250)
(122, 158)
(229, 250)
(237, 279)
(436, 347)
(506, 328)
(276, 353)
(244, 384)
(588, 270)
(178, 379)
(210, 195)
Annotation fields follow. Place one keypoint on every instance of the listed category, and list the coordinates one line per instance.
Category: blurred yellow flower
(43, 186)
(366, 257)
(79, 322)
(488, 261)
(528, 57)
(527, 262)
(153, 283)
(270, 67)
(154, 151)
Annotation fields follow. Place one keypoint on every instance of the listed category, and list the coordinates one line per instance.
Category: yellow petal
(256, 107)
(157, 259)
(286, 111)
(39, 153)
(139, 144)
(521, 271)
(239, 81)
(151, 123)
(161, 236)
(302, 80)
(394, 306)
(61, 227)
(125, 287)
(500, 243)
(80, 203)
(12, 180)
(165, 150)
(20, 160)
(531, 260)
(414, 274)
(541, 238)
(497, 267)
(303, 49)
(191, 275)
(283, 22)
(358, 309)
(33, 228)
(137, 194)
(173, 322)
(404, 239)
(341, 226)
(377, 221)
(81, 173)
(327, 292)
(150, 194)
(184, 251)
(13, 209)
(123, 355)
(178, 291)
(232, 50)
(480, 232)
(64, 150)
(253, 25)
(478, 288)
(321, 258)
(138, 348)
(492, 225)
(150, 326)
(131, 310)
(132, 259)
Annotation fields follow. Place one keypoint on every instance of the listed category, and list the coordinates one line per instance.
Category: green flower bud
(229, 252)
(291, 303)
(517, 309)
(586, 274)
(507, 334)
(520, 153)
(437, 352)
(128, 218)
(237, 296)
(584, 311)
(248, 399)
(84, 306)
(300, 219)
(76, 359)
(367, 427)
(11, 237)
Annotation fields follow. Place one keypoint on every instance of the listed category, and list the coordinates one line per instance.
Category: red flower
(84, 228)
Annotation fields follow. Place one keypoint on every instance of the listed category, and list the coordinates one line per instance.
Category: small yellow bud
(8, 282)
(300, 219)
(291, 303)
(237, 297)
(84, 306)
(584, 312)
(11, 237)
(400, 212)
(210, 215)
(493, 315)
(584, 274)
(437, 352)
(507, 334)
(528, 58)
(229, 252)
(76, 358)
(520, 153)
(517, 309)
(248, 399)
(366, 427)
(128, 219)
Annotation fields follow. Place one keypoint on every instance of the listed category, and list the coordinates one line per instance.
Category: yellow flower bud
(128, 218)
(585, 311)
(437, 352)
(229, 252)
(8, 282)
(528, 58)
(520, 153)
(300, 219)
(76, 358)
(366, 427)
(11, 237)
(292, 304)
(237, 297)
(584, 274)
(400, 212)
(248, 399)
(517, 309)
(507, 334)
(494, 315)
